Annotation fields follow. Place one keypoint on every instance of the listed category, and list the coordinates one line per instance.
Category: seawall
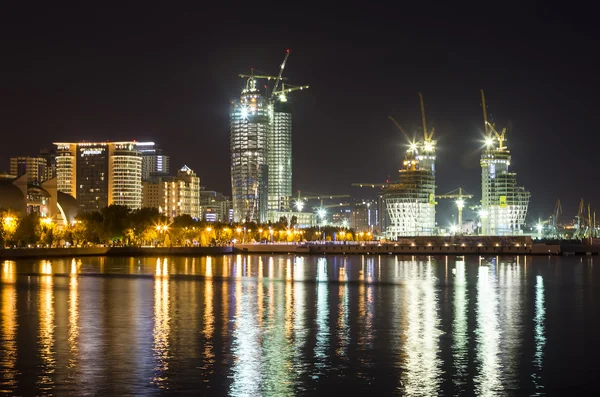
(17, 253)
(304, 249)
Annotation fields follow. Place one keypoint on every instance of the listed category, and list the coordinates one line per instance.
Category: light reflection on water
(275, 325)
(487, 333)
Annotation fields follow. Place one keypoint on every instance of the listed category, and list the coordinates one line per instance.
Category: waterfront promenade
(310, 248)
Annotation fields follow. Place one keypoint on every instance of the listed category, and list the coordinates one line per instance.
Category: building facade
(174, 195)
(154, 162)
(36, 168)
(216, 207)
(99, 174)
(365, 216)
(250, 125)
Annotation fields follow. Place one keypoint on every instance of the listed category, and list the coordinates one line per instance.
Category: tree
(143, 224)
(116, 220)
(88, 228)
(28, 229)
(294, 221)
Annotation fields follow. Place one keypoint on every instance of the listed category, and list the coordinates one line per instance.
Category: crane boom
(400, 127)
(287, 54)
(485, 119)
(427, 135)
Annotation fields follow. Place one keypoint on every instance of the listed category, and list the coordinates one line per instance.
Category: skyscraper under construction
(410, 204)
(503, 202)
(250, 125)
(261, 149)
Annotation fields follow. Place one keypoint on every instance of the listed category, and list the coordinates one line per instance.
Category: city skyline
(341, 121)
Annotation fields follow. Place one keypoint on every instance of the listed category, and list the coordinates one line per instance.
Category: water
(284, 325)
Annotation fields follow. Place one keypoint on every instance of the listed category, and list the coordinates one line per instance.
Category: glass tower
(280, 158)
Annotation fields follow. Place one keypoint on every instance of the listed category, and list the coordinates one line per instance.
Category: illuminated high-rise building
(154, 161)
(280, 158)
(503, 202)
(250, 125)
(410, 204)
(99, 174)
(261, 149)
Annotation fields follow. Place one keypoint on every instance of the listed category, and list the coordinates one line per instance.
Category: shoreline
(303, 249)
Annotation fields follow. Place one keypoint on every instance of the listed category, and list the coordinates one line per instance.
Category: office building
(365, 216)
(99, 174)
(216, 207)
(154, 162)
(174, 195)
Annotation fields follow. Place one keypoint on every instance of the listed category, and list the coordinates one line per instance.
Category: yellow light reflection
(9, 272)
(209, 267)
(8, 322)
(209, 320)
(46, 331)
(73, 337)
(288, 270)
(162, 327)
(300, 329)
(487, 335)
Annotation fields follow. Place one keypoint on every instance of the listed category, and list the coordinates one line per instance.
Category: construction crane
(412, 142)
(580, 231)
(490, 128)
(300, 200)
(278, 79)
(281, 93)
(459, 195)
(554, 218)
(427, 135)
(332, 206)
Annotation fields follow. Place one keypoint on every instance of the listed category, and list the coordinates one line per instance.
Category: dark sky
(167, 74)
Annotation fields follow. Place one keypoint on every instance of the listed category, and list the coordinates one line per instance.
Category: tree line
(117, 225)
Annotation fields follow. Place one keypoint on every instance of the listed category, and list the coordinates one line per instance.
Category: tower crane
(459, 195)
(278, 79)
(281, 93)
(490, 128)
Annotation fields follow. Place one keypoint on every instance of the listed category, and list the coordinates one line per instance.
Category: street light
(453, 229)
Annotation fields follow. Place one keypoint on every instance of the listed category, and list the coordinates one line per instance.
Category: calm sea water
(285, 325)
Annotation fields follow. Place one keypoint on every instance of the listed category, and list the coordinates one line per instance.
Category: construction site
(410, 202)
(261, 179)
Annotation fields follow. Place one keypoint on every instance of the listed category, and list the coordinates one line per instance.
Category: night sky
(168, 74)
